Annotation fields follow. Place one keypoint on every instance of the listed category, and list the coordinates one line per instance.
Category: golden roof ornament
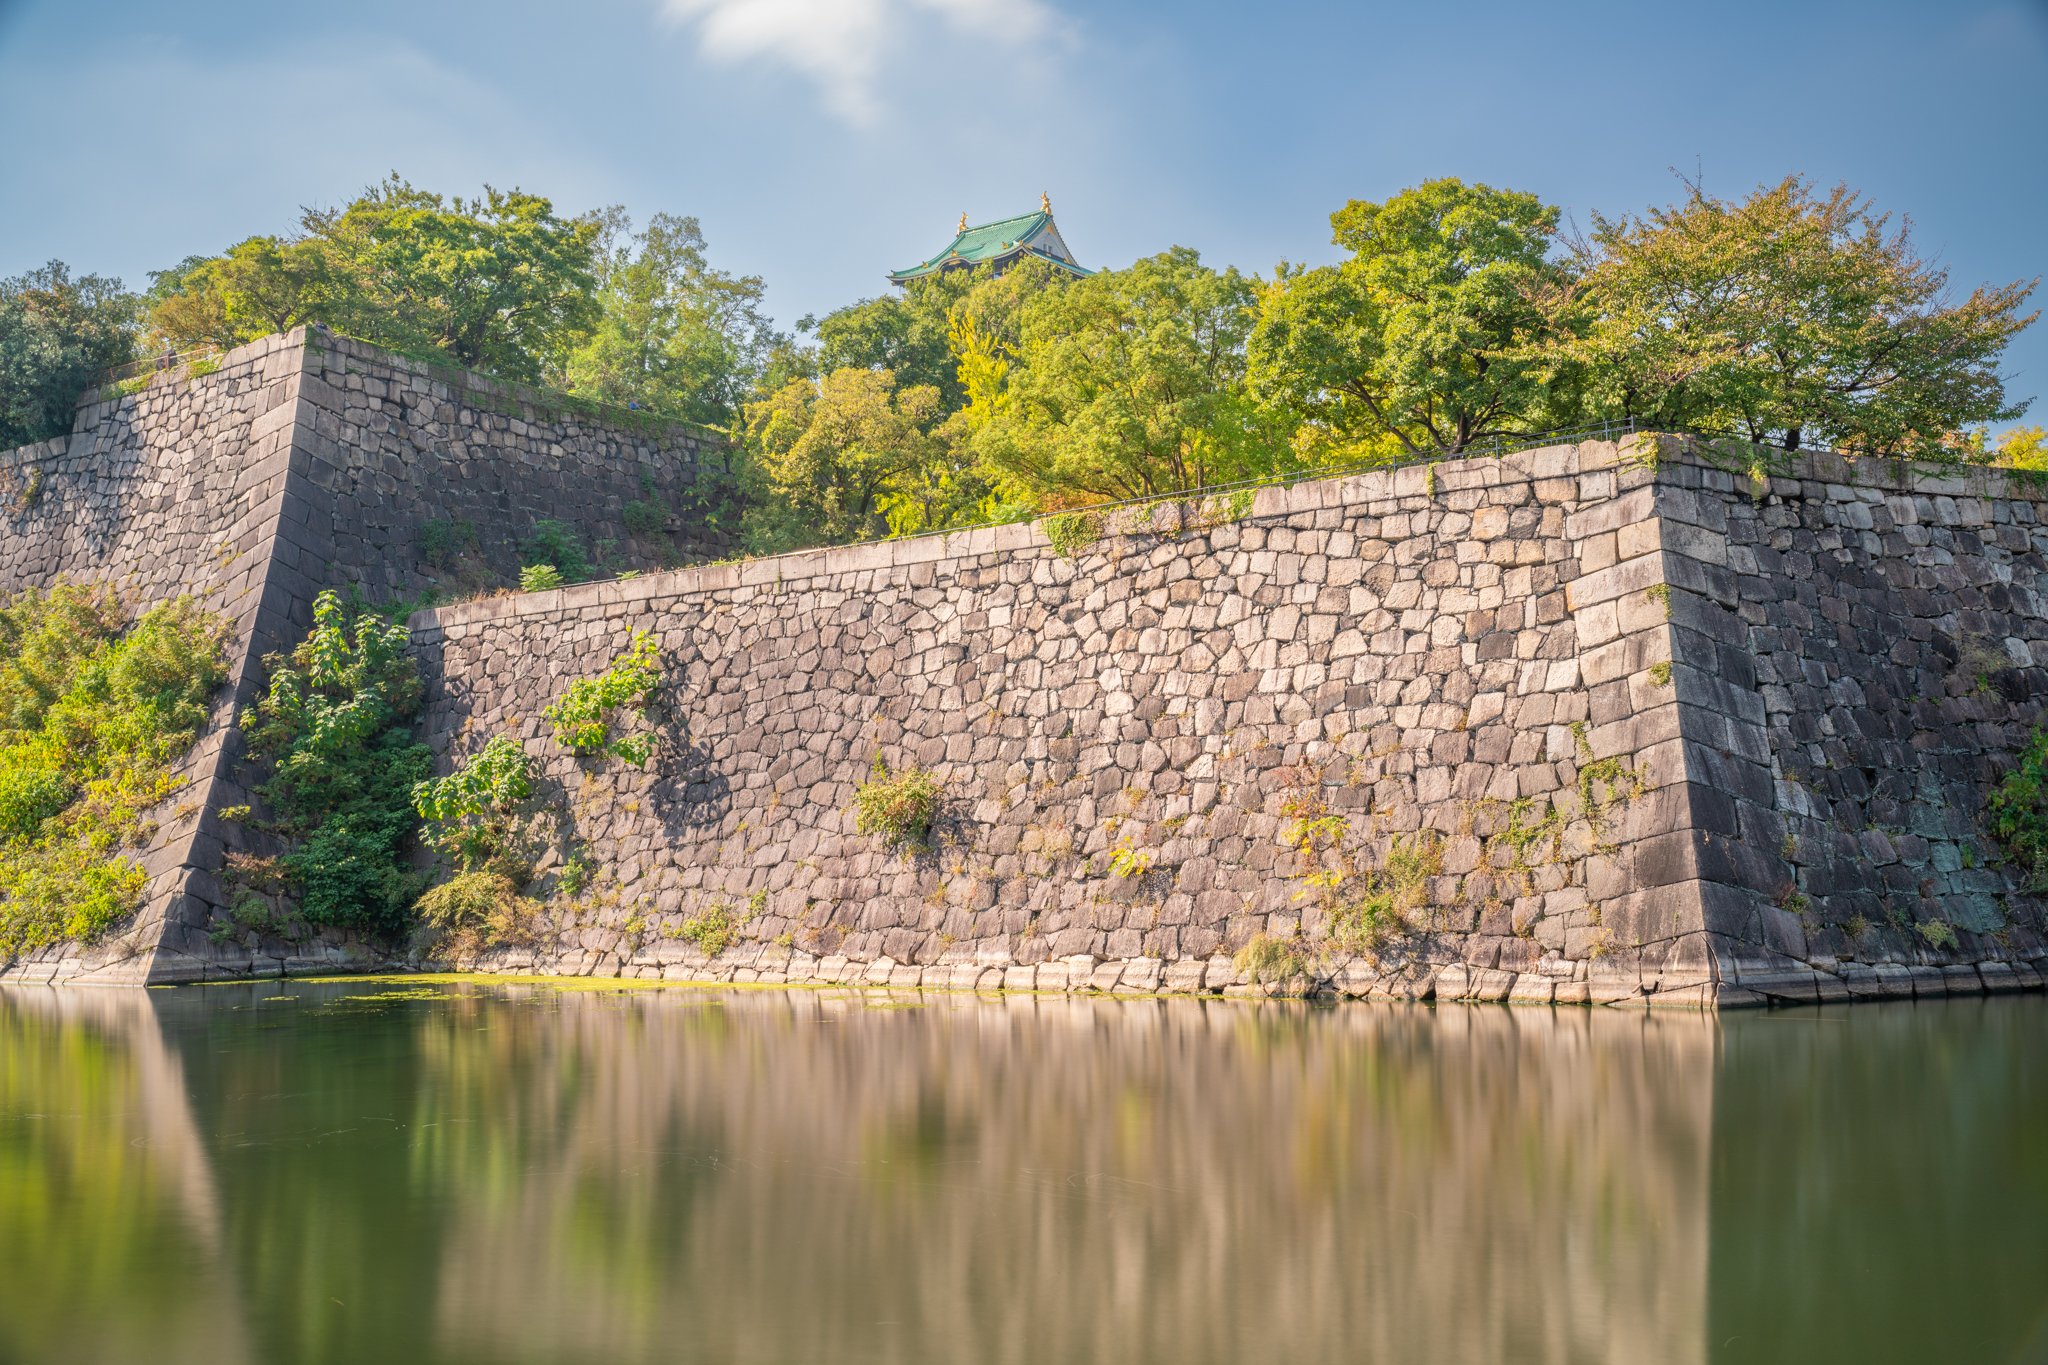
(1044, 202)
(963, 223)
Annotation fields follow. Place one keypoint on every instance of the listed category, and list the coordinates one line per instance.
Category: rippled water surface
(504, 1173)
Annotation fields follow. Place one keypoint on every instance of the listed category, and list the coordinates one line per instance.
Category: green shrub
(1069, 533)
(475, 813)
(539, 578)
(1266, 958)
(1938, 934)
(714, 929)
(94, 714)
(335, 728)
(2018, 811)
(443, 542)
(555, 543)
(900, 806)
(479, 909)
(646, 518)
(582, 716)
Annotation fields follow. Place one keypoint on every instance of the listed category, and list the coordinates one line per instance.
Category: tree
(674, 335)
(56, 335)
(903, 333)
(1128, 383)
(1791, 317)
(912, 333)
(498, 283)
(259, 286)
(2020, 448)
(1427, 337)
(833, 448)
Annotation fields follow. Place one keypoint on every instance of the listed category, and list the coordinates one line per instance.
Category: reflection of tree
(800, 1177)
(108, 1224)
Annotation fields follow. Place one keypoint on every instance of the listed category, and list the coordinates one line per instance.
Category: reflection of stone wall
(804, 1178)
(308, 461)
(1879, 1189)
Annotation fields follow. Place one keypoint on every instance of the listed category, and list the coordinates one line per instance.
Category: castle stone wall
(306, 461)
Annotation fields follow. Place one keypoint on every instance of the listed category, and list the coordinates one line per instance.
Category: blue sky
(823, 142)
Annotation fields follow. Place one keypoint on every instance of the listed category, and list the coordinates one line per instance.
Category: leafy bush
(714, 929)
(476, 811)
(1266, 958)
(554, 543)
(646, 517)
(1938, 934)
(442, 542)
(582, 716)
(335, 727)
(539, 578)
(94, 714)
(899, 806)
(2018, 811)
(1069, 533)
(474, 909)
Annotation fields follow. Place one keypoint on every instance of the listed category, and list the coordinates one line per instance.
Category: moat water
(430, 1172)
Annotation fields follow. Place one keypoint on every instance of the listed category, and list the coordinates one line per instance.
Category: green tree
(56, 334)
(498, 283)
(833, 449)
(674, 335)
(1128, 383)
(1794, 316)
(259, 286)
(1428, 337)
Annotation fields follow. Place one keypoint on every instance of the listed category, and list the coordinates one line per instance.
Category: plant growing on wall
(583, 716)
(95, 712)
(900, 806)
(479, 815)
(539, 578)
(475, 814)
(2018, 812)
(335, 726)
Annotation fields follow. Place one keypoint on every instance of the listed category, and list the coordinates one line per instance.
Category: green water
(500, 1173)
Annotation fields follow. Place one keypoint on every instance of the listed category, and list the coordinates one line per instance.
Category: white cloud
(844, 45)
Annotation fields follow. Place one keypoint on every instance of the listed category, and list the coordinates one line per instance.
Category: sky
(822, 143)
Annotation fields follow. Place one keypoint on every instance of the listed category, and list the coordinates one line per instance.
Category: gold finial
(1044, 202)
(963, 223)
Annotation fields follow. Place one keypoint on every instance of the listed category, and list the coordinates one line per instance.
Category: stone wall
(1540, 706)
(1126, 739)
(1860, 654)
(296, 463)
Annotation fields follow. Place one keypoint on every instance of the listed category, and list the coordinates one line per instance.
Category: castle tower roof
(999, 243)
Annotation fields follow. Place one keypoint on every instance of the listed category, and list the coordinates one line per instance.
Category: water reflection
(517, 1174)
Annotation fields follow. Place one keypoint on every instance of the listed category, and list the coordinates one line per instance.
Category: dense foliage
(1793, 317)
(2018, 812)
(500, 282)
(1429, 336)
(900, 805)
(480, 816)
(56, 334)
(335, 728)
(95, 712)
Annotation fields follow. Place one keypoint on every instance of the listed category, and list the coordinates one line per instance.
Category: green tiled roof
(995, 241)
